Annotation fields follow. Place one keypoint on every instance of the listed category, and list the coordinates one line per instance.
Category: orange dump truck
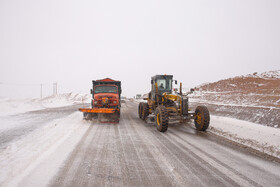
(105, 103)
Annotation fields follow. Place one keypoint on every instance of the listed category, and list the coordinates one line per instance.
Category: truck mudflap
(99, 110)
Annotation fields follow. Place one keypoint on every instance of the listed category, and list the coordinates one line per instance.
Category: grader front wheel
(202, 118)
(143, 110)
(161, 118)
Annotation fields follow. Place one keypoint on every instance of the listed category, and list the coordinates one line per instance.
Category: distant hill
(240, 96)
(264, 83)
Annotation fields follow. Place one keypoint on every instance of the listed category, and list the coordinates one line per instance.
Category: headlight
(95, 102)
(115, 102)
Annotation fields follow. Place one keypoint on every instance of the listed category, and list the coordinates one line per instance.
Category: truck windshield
(164, 84)
(105, 89)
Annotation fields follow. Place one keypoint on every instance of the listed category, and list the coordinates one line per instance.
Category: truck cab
(106, 96)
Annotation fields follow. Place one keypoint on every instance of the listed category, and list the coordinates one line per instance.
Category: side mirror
(91, 91)
(192, 90)
(176, 82)
(152, 81)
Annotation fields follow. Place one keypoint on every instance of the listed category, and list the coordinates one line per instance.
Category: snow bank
(15, 106)
(260, 137)
(263, 138)
(9, 106)
(41, 151)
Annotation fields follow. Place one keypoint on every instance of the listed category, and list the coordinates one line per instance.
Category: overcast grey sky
(73, 42)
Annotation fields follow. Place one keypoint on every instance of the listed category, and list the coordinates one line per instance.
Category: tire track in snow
(188, 169)
(69, 171)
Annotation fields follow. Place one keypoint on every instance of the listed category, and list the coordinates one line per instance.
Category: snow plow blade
(99, 110)
(102, 115)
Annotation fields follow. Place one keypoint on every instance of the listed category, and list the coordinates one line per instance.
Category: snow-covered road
(37, 142)
(56, 147)
(15, 126)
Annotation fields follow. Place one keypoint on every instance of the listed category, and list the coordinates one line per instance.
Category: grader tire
(202, 118)
(140, 106)
(161, 118)
(145, 111)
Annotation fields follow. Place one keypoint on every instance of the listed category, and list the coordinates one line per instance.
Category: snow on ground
(15, 106)
(23, 161)
(33, 159)
(236, 99)
(229, 103)
(260, 137)
(266, 75)
(263, 138)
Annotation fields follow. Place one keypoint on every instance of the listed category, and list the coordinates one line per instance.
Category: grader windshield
(164, 84)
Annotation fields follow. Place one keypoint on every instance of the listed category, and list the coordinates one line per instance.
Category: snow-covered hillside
(254, 97)
(266, 75)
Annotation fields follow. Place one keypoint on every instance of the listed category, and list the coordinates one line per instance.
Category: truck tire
(140, 106)
(202, 118)
(161, 118)
(94, 116)
(87, 116)
(145, 111)
(116, 117)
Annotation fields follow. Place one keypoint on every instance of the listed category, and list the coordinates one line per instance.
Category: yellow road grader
(166, 106)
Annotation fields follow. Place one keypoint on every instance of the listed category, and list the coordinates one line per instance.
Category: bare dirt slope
(254, 97)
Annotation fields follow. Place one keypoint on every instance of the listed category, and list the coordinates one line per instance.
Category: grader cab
(166, 106)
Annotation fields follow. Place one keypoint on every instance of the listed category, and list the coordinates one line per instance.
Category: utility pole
(54, 88)
(41, 90)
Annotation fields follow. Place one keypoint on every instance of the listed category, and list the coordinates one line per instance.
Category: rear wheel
(161, 118)
(145, 111)
(202, 118)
